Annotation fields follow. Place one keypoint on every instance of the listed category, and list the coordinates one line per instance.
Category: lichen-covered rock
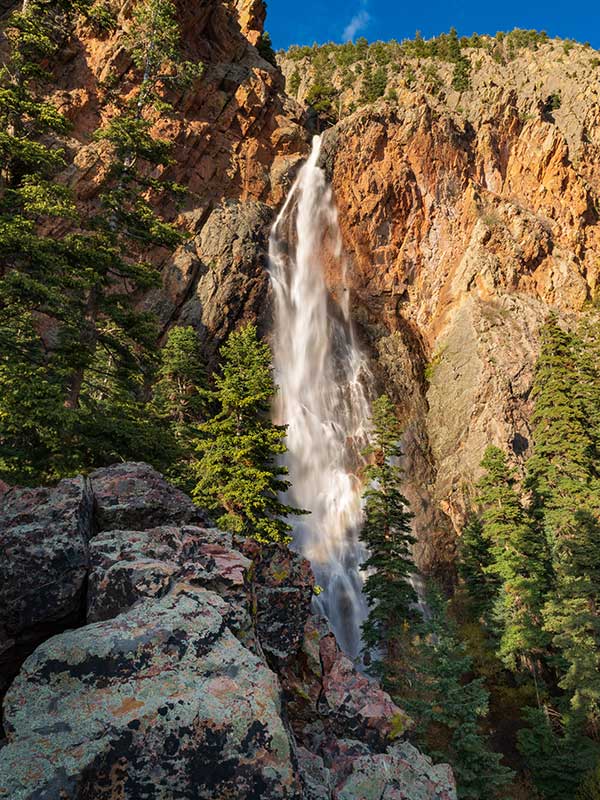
(166, 692)
(161, 702)
(44, 561)
(129, 565)
(357, 707)
(315, 776)
(403, 773)
(134, 496)
(302, 680)
(283, 584)
(330, 700)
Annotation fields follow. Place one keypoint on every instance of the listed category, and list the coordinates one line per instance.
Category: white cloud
(359, 21)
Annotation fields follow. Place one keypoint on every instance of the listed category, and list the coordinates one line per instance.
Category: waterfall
(321, 373)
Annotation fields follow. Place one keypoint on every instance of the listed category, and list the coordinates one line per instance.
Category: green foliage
(521, 39)
(321, 97)
(519, 561)
(294, 83)
(387, 536)
(265, 48)
(373, 83)
(77, 357)
(589, 789)
(180, 398)
(562, 474)
(450, 708)
(557, 760)
(237, 471)
(101, 18)
(474, 562)
(552, 103)
(461, 77)
(181, 387)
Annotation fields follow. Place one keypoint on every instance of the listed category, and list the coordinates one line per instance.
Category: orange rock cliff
(465, 217)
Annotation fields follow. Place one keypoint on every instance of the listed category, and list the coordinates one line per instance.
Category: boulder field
(146, 655)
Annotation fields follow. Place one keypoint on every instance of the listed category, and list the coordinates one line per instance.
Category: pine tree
(36, 270)
(461, 76)
(520, 563)
(388, 537)
(474, 561)
(294, 83)
(589, 788)
(265, 48)
(563, 475)
(237, 469)
(562, 457)
(180, 398)
(181, 390)
(449, 709)
(373, 83)
(67, 308)
(572, 615)
(557, 760)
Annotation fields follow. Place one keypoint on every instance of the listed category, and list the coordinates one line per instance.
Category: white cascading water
(321, 373)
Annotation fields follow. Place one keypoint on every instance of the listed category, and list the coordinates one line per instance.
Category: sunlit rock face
(463, 232)
(235, 138)
(464, 218)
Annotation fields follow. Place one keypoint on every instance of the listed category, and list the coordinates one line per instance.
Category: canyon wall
(466, 216)
(235, 140)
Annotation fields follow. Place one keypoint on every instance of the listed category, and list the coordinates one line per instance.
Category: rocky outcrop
(162, 700)
(178, 664)
(221, 276)
(136, 497)
(44, 540)
(282, 581)
(400, 774)
(235, 140)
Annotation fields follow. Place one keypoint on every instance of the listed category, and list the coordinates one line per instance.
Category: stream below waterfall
(322, 374)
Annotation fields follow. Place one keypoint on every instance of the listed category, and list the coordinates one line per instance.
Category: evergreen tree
(474, 561)
(461, 76)
(589, 789)
(237, 470)
(562, 457)
(373, 83)
(519, 561)
(36, 271)
(181, 390)
(67, 310)
(322, 96)
(294, 83)
(180, 399)
(265, 48)
(557, 760)
(563, 475)
(449, 709)
(387, 536)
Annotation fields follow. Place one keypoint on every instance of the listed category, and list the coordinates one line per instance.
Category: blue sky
(307, 21)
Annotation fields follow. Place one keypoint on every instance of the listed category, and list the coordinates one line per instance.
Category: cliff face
(235, 137)
(466, 217)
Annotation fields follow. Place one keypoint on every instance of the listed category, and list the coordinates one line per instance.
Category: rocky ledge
(148, 655)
